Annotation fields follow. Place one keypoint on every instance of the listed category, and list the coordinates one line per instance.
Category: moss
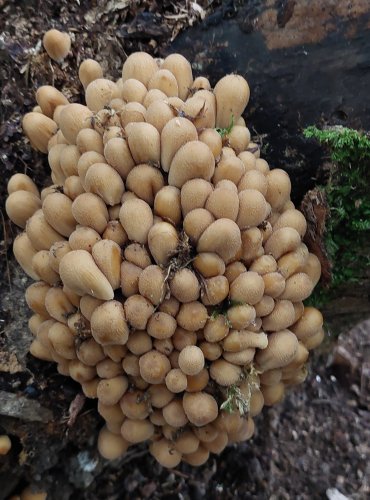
(235, 401)
(347, 195)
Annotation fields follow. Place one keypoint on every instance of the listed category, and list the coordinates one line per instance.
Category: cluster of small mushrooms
(168, 260)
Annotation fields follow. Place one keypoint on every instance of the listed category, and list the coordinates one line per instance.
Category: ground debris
(29, 410)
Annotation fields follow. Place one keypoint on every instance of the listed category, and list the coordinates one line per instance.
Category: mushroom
(73, 118)
(137, 431)
(232, 96)
(200, 408)
(247, 288)
(176, 381)
(165, 453)
(181, 69)
(191, 360)
(109, 325)
(154, 367)
(111, 446)
(221, 237)
(89, 71)
(136, 218)
(21, 205)
(140, 66)
(57, 44)
(193, 160)
(280, 351)
(5, 444)
(194, 194)
(39, 129)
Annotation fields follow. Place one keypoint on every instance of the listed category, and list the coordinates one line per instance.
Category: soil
(313, 445)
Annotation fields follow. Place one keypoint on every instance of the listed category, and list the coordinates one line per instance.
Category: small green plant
(347, 195)
(235, 400)
(226, 131)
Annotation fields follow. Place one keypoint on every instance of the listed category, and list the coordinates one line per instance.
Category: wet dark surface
(291, 87)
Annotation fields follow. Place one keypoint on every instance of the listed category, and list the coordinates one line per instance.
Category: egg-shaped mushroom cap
(193, 160)
(200, 408)
(165, 453)
(181, 68)
(111, 446)
(57, 44)
(247, 288)
(39, 129)
(281, 350)
(73, 118)
(224, 373)
(221, 237)
(309, 323)
(191, 360)
(232, 96)
(140, 66)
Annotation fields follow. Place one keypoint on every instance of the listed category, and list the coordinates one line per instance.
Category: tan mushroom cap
(221, 237)
(200, 408)
(80, 273)
(39, 129)
(225, 373)
(111, 446)
(165, 453)
(57, 44)
(191, 360)
(140, 66)
(5, 444)
(281, 350)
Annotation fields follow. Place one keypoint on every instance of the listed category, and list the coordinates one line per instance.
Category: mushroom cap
(108, 324)
(140, 66)
(191, 360)
(194, 160)
(224, 373)
(80, 273)
(5, 444)
(200, 408)
(154, 367)
(165, 453)
(39, 129)
(111, 446)
(281, 349)
(57, 44)
(221, 237)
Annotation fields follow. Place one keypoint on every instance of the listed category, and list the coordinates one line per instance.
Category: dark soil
(315, 441)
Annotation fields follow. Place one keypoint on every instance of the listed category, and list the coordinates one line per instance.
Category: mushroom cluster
(168, 260)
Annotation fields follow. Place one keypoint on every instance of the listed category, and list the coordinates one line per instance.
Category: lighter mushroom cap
(191, 360)
(57, 44)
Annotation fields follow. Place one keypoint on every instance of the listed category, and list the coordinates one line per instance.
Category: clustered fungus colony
(168, 260)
